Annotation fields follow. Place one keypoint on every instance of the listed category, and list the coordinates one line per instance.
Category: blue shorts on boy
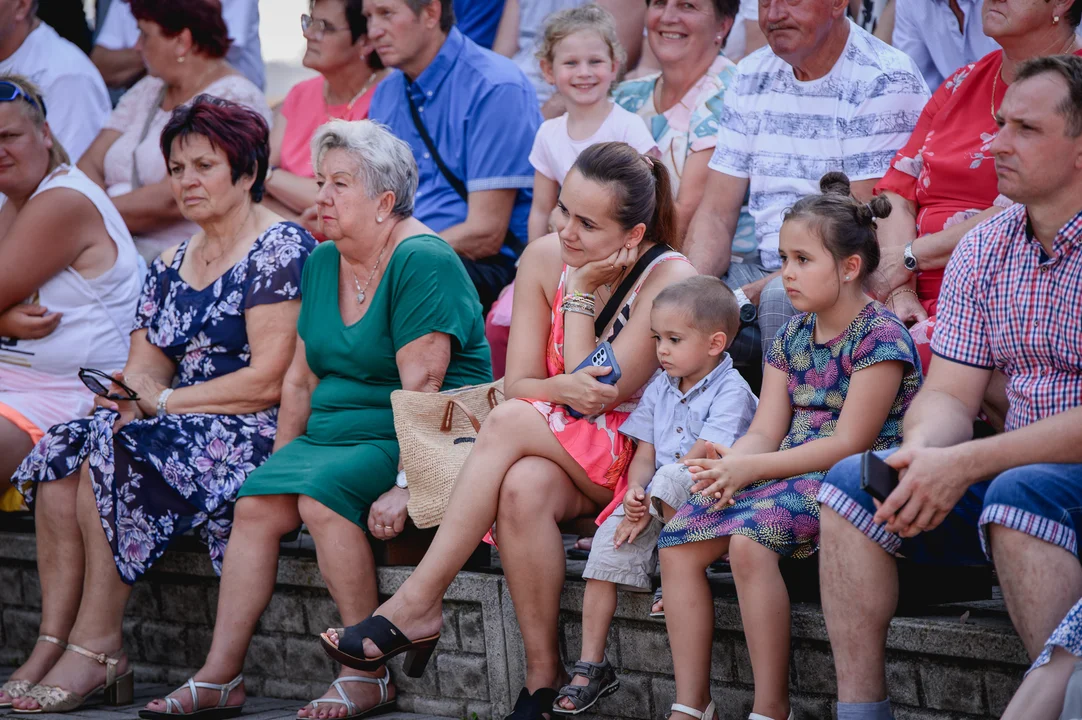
(719, 408)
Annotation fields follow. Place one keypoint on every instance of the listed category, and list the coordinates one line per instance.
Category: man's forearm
(119, 68)
(1055, 439)
(936, 419)
(473, 243)
(709, 243)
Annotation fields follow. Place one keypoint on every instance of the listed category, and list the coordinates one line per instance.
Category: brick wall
(939, 667)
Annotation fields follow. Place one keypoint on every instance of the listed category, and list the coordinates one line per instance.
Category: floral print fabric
(160, 477)
(1067, 636)
(783, 515)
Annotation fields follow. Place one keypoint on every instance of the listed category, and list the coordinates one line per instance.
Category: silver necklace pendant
(360, 297)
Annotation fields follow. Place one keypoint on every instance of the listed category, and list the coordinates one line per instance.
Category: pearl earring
(847, 278)
(1055, 19)
(180, 59)
(379, 218)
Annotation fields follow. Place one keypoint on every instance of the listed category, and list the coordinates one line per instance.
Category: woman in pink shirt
(349, 70)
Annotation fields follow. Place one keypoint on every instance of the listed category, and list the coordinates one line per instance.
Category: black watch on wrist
(748, 311)
(909, 259)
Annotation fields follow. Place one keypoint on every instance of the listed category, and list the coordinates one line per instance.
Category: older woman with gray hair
(386, 304)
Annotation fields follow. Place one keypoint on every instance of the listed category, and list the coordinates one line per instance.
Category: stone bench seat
(945, 662)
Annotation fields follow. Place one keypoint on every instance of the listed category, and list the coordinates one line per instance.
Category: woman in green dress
(386, 305)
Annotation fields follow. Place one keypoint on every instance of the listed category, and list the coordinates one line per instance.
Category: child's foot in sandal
(657, 608)
(589, 683)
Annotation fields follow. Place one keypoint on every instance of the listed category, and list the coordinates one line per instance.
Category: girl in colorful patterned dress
(844, 349)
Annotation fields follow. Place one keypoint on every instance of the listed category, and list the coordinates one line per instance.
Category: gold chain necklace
(372, 80)
(995, 80)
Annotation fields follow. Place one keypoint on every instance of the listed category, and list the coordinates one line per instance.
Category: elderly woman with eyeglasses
(193, 413)
(387, 305)
(65, 302)
(349, 71)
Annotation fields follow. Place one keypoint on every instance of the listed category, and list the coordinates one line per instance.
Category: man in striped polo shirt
(1011, 300)
(824, 96)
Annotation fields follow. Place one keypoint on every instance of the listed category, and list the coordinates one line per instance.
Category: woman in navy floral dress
(213, 338)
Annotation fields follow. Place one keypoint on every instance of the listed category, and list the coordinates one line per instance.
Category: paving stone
(1000, 687)
(663, 691)
(721, 659)
(644, 648)
(11, 586)
(902, 680)
(742, 660)
(306, 659)
(948, 687)
(462, 676)
(449, 631)
(162, 643)
(284, 614)
(814, 670)
(733, 702)
(31, 589)
(143, 602)
(185, 604)
(321, 614)
(21, 629)
(471, 631)
(265, 657)
(445, 707)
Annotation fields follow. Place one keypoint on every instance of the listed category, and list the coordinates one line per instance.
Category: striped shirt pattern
(1004, 304)
(784, 134)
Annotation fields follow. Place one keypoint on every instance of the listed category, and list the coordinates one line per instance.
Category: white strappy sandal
(351, 708)
(707, 714)
(117, 690)
(17, 688)
(173, 708)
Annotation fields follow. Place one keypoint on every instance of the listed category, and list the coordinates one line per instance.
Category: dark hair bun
(834, 183)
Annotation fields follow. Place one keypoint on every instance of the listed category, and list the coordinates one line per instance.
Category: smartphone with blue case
(603, 356)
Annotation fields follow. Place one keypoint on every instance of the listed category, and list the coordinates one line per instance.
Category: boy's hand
(628, 530)
(635, 504)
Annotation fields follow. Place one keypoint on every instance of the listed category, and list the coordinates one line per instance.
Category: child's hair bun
(834, 183)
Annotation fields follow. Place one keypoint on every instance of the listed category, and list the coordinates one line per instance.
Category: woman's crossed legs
(520, 477)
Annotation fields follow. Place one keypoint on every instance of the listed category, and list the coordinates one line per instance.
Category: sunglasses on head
(98, 382)
(10, 92)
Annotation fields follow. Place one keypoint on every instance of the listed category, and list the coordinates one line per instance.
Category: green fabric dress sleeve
(432, 293)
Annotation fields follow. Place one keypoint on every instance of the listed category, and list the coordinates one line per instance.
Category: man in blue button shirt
(480, 115)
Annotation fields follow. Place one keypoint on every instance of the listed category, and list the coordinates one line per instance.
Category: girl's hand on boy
(628, 530)
(635, 504)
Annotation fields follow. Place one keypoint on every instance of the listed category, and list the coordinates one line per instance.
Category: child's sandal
(602, 681)
(657, 598)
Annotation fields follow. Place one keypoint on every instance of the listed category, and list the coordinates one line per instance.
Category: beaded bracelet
(579, 311)
(578, 303)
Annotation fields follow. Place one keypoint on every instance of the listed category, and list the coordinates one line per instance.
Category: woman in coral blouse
(349, 71)
(943, 182)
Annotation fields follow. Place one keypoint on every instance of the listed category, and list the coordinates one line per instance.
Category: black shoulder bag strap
(617, 299)
(456, 184)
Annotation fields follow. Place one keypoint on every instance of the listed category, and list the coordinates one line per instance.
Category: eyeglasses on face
(318, 26)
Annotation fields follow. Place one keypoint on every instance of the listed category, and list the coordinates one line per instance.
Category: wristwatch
(909, 259)
(400, 480)
(748, 311)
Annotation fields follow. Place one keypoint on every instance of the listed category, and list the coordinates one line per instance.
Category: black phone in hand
(876, 477)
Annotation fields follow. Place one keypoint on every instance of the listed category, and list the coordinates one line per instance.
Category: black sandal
(390, 640)
(602, 682)
(533, 707)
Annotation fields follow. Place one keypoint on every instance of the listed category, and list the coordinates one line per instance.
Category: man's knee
(845, 476)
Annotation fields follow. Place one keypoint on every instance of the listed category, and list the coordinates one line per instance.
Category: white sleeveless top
(98, 315)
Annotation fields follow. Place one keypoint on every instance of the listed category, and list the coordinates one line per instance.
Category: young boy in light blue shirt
(698, 399)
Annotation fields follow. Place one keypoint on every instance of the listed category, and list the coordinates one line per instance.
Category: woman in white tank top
(70, 279)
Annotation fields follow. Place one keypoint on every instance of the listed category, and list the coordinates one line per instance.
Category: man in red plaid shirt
(1012, 301)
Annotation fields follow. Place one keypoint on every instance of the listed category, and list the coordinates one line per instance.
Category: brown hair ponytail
(642, 190)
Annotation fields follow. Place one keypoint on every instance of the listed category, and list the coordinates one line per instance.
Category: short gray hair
(385, 163)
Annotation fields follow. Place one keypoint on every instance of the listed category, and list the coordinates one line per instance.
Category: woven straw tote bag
(436, 432)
